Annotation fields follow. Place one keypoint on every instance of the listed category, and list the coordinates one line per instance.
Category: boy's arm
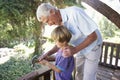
(50, 65)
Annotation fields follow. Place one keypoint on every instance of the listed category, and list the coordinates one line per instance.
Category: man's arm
(50, 58)
(50, 52)
(68, 51)
(90, 39)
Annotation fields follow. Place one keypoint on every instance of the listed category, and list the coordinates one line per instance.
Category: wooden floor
(105, 73)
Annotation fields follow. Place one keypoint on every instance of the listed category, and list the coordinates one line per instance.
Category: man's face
(52, 19)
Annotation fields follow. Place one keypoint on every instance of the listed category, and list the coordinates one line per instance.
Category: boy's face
(60, 45)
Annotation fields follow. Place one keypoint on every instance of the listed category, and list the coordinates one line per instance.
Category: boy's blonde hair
(61, 34)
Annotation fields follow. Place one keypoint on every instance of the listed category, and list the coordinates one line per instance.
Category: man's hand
(42, 57)
(52, 51)
(69, 51)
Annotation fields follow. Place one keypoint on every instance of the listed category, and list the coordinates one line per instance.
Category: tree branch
(104, 9)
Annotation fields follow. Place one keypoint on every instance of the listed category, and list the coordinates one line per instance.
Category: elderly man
(86, 37)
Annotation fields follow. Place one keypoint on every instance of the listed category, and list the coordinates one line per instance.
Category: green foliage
(17, 20)
(63, 3)
(107, 28)
(15, 68)
(67, 2)
(110, 32)
(18, 23)
(15, 9)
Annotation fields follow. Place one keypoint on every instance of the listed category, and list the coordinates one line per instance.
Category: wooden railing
(110, 55)
(110, 58)
(43, 73)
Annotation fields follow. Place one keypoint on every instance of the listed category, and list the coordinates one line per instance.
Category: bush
(15, 68)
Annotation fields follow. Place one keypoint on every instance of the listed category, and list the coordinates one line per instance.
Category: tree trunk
(104, 9)
(38, 39)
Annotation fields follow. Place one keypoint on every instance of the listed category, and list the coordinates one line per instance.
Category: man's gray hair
(44, 10)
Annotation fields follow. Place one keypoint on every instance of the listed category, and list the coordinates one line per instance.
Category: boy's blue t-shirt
(66, 65)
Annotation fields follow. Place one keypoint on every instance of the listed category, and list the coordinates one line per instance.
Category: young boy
(63, 66)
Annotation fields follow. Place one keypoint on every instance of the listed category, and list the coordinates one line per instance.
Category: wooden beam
(104, 9)
(35, 75)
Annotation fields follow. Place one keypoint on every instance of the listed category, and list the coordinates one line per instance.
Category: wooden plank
(111, 53)
(117, 55)
(106, 53)
(47, 76)
(36, 74)
(43, 70)
(30, 76)
(101, 53)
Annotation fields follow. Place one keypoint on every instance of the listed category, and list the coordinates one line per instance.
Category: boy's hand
(43, 62)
